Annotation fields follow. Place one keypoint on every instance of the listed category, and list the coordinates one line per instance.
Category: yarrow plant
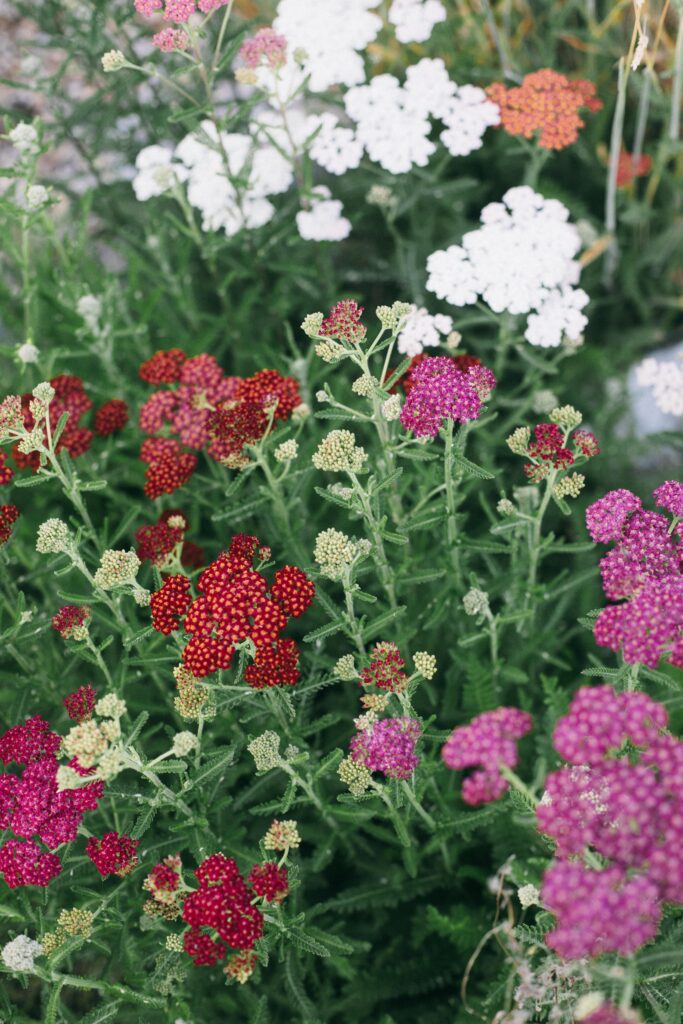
(340, 647)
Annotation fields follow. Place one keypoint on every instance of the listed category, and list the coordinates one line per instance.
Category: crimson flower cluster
(71, 397)
(548, 450)
(222, 905)
(81, 703)
(440, 389)
(388, 746)
(156, 541)
(205, 410)
(643, 571)
(113, 854)
(32, 806)
(343, 322)
(237, 603)
(385, 670)
(111, 417)
(8, 517)
(70, 620)
(486, 743)
(621, 796)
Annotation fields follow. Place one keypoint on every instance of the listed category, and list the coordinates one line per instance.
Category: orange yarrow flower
(546, 103)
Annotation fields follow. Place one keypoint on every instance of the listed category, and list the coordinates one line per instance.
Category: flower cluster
(33, 807)
(81, 703)
(71, 621)
(385, 670)
(665, 381)
(206, 410)
(546, 105)
(521, 260)
(393, 121)
(235, 604)
(113, 854)
(8, 517)
(626, 808)
(227, 176)
(555, 446)
(643, 571)
(439, 390)
(489, 741)
(223, 904)
(388, 746)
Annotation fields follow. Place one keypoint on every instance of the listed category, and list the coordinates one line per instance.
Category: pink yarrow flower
(266, 45)
(488, 741)
(170, 39)
(388, 746)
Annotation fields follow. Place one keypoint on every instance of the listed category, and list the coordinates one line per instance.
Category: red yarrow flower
(385, 670)
(169, 603)
(71, 621)
(630, 167)
(343, 322)
(235, 604)
(111, 417)
(223, 906)
(8, 517)
(165, 365)
(270, 881)
(81, 703)
(113, 854)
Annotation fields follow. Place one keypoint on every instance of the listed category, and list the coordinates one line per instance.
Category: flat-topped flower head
(338, 453)
(113, 854)
(81, 703)
(440, 390)
(265, 46)
(8, 517)
(600, 720)
(669, 496)
(343, 322)
(71, 621)
(385, 670)
(388, 746)
(598, 911)
(546, 106)
(489, 741)
(607, 517)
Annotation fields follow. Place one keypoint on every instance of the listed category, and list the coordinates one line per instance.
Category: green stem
(451, 520)
(412, 799)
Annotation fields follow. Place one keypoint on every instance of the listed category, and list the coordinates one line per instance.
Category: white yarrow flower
(20, 953)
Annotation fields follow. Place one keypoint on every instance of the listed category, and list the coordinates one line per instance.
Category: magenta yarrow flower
(600, 720)
(645, 568)
(489, 741)
(622, 797)
(605, 518)
(441, 390)
(599, 911)
(266, 45)
(669, 495)
(32, 806)
(388, 746)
